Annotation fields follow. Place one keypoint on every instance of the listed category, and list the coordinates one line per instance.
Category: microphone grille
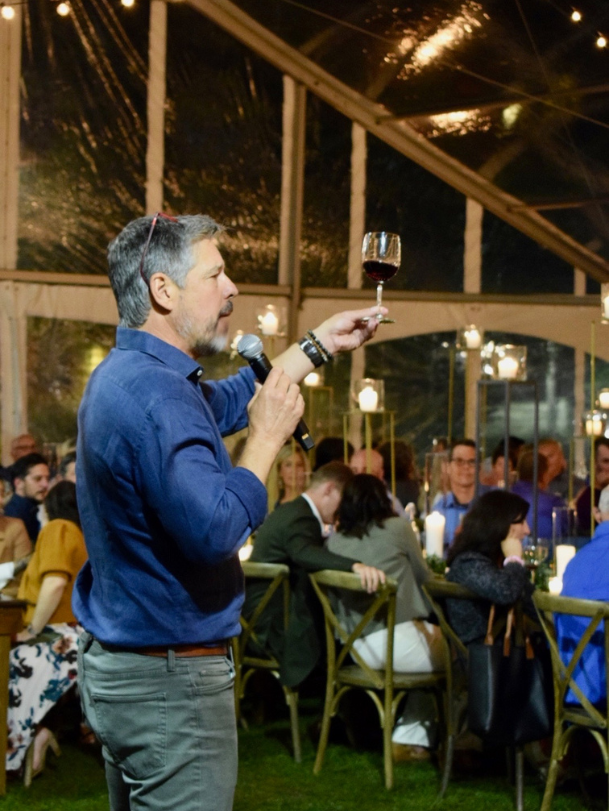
(250, 347)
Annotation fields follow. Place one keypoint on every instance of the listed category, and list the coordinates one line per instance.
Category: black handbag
(510, 688)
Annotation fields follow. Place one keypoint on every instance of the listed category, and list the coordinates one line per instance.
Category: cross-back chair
(456, 658)
(573, 716)
(346, 668)
(249, 651)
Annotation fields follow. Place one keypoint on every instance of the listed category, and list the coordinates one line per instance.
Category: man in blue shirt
(30, 479)
(587, 577)
(462, 476)
(164, 513)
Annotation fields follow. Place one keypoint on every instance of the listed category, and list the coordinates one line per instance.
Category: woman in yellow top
(42, 669)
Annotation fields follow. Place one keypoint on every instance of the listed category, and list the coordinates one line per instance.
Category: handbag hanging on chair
(510, 688)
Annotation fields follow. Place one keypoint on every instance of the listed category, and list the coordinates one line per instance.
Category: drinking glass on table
(381, 257)
(535, 551)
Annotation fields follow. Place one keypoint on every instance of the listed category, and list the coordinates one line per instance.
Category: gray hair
(170, 252)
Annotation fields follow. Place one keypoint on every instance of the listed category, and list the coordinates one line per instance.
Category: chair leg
(387, 750)
(519, 777)
(291, 697)
(325, 730)
(448, 764)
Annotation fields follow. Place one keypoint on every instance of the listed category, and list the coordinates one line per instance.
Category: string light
(576, 16)
(63, 9)
(601, 41)
(8, 12)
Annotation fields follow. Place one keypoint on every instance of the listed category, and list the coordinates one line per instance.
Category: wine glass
(381, 257)
(534, 552)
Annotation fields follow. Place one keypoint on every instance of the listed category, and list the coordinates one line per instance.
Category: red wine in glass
(381, 257)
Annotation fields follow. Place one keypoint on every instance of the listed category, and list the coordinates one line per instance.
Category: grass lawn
(269, 779)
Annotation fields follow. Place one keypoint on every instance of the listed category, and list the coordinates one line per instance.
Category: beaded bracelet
(325, 353)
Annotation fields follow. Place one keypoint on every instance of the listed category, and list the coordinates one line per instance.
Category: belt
(187, 650)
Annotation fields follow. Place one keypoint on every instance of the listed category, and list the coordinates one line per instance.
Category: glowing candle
(473, 339)
(312, 379)
(434, 534)
(368, 399)
(555, 585)
(269, 323)
(564, 553)
(507, 368)
(594, 427)
(603, 398)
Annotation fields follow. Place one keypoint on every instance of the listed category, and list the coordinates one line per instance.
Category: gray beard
(202, 342)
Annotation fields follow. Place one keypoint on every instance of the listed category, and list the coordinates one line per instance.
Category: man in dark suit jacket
(294, 534)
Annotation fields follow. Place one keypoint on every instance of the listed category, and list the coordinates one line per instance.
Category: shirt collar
(141, 341)
(316, 513)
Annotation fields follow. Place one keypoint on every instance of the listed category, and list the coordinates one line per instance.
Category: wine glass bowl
(381, 258)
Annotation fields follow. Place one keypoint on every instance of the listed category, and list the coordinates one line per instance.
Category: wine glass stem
(379, 298)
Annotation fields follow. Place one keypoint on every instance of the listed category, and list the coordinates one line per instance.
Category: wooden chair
(344, 675)
(250, 654)
(568, 718)
(456, 659)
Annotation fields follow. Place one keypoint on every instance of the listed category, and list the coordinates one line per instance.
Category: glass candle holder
(369, 394)
(510, 362)
(271, 320)
(469, 338)
(594, 422)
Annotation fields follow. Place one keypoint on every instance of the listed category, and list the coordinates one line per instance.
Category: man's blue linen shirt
(162, 509)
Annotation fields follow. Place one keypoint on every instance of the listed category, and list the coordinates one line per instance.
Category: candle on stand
(555, 585)
(368, 399)
(603, 398)
(269, 323)
(434, 534)
(564, 553)
(507, 368)
(473, 339)
(594, 427)
(313, 379)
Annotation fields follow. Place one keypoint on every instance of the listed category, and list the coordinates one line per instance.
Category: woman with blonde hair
(289, 475)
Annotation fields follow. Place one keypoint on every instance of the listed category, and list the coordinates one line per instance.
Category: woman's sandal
(36, 754)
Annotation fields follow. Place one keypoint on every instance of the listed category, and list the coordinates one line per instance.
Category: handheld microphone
(251, 349)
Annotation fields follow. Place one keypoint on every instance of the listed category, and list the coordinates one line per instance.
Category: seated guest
(371, 461)
(43, 669)
(66, 472)
(289, 475)
(486, 557)
(547, 503)
(462, 477)
(369, 531)
(558, 473)
(583, 503)
(30, 478)
(406, 476)
(294, 534)
(587, 577)
(15, 548)
(497, 475)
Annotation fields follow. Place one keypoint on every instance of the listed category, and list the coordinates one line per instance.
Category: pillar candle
(368, 399)
(434, 534)
(564, 553)
(507, 368)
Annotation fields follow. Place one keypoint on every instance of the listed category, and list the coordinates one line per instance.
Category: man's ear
(597, 515)
(163, 291)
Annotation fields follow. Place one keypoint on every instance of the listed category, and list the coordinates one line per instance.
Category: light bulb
(601, 42)
(576, 16)
(127, 3)
(63, 9)
(8, 12)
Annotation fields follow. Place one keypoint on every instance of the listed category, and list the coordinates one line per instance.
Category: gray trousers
(166, 724)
